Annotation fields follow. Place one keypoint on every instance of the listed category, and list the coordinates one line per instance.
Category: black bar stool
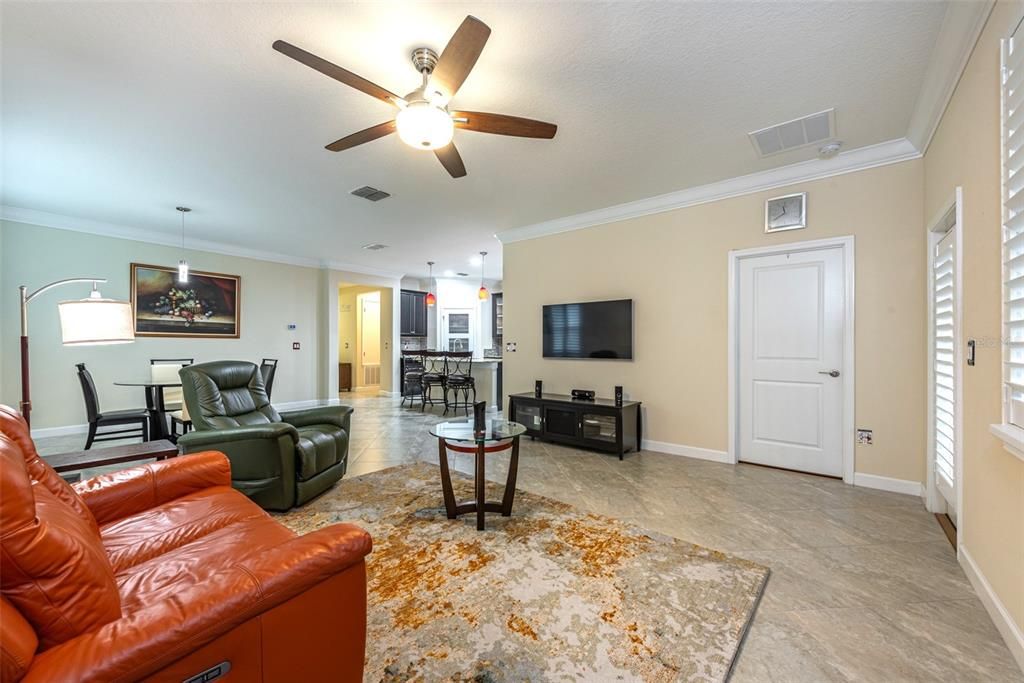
(435, 368)
(459, 380)
(412, 377)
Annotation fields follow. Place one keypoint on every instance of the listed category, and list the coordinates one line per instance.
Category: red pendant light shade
(483, 290)
(431, 299)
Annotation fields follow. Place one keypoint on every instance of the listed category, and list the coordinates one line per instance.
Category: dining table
(155, 405)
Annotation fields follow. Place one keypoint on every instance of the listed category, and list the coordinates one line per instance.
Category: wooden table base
(481, 505)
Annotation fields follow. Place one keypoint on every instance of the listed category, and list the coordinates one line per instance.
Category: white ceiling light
(425, 126)
(183, 264)
(475, 261)
(449, 273)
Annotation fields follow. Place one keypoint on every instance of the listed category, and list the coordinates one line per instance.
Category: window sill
(1012, 437)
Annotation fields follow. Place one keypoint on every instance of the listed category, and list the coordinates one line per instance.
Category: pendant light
(483, 290)
(183, 264)
(431, 299)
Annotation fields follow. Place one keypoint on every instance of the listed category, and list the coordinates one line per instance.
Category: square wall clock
(786, 213)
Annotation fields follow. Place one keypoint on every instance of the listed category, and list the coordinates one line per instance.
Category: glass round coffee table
(497, 436)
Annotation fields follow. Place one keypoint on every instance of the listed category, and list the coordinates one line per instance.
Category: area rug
(549, 594)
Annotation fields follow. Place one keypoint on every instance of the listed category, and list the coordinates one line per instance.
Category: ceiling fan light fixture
(424, 126)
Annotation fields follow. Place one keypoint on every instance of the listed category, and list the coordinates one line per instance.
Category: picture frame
(788, 212)
(207, 306)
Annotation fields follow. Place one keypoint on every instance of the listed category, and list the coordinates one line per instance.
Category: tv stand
(598, 424)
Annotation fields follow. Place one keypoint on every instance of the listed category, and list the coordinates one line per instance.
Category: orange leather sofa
(165, 573)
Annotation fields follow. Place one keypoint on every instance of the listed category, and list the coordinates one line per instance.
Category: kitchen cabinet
(497, 314)
(413, 315)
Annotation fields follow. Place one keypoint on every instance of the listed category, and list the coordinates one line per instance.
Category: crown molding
(960, 31)
(61, 222)
(860, 159)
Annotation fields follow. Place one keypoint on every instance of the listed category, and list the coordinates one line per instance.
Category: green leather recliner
(278, 460)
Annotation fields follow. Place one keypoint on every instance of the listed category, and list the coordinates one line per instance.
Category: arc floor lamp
(94, 320)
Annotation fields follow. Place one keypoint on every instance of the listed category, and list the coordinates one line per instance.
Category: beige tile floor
(864, 585)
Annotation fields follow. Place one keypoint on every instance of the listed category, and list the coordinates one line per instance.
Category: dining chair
(459, 380)
(268, 368)
(166, 370)
(113, 418)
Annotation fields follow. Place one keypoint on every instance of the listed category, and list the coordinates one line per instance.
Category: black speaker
(538, 388)
(583, 394)
(618, 396)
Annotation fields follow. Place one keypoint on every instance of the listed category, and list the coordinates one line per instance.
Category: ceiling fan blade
(459, 56)
(501, 124)
(367, 135)
(450, 159)
(336, 72)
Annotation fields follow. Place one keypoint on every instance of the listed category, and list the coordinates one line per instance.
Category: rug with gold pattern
(549, 594)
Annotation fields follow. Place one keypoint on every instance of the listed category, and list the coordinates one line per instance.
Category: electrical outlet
(510, 347)
(865, 437)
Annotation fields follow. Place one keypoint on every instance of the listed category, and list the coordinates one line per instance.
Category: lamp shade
(96, 321)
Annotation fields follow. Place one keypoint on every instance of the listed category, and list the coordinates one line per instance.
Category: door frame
(936, 231)
(847, 245)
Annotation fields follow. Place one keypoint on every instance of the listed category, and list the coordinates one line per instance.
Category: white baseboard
(1007, 628)
(874, 481)
(686, 451)
(66, 430)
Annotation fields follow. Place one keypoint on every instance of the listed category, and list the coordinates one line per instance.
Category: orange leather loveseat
(166, 573)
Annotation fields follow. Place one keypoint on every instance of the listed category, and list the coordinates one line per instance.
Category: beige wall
(272, 294)
(966, 152)
(674, 266)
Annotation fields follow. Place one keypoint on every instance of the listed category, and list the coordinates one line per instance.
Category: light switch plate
(295, 346)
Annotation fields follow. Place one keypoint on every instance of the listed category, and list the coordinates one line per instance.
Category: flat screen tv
(598, 329)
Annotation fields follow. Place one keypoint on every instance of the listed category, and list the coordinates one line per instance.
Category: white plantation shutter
(1013, 230)
(944, 301)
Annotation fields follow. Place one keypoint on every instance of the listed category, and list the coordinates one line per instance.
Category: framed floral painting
(208, 305)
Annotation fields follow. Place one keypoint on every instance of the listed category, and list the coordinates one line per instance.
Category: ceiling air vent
(795, 134)
(371, 193)
(375, 246)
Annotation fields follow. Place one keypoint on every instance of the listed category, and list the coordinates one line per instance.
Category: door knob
(830, 373)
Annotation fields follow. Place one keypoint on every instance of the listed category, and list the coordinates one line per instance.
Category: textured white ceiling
(118, 112)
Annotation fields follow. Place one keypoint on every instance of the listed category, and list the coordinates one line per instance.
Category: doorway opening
(945, 367)
(362, 337)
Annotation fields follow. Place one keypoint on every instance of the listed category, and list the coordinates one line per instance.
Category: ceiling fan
(423, 119)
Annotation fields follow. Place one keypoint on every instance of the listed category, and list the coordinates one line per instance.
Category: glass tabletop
(148, 383)
(497, 429)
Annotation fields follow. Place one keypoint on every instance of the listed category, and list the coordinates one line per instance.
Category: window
(1013, 230)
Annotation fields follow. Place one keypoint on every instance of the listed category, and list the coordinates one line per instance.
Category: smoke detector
(783, 137)
(830, 150)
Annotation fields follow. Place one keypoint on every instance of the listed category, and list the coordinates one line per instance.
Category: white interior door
(792, 313)
(369, 338)
(945, 337)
